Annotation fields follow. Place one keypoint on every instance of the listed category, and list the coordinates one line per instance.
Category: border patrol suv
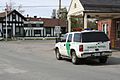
(82, 45)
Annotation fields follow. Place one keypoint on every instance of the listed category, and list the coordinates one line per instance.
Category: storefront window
(48, 31)
(118, 30)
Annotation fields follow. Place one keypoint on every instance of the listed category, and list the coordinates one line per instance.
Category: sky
(39, 8)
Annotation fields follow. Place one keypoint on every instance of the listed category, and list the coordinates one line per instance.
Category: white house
(102, 9)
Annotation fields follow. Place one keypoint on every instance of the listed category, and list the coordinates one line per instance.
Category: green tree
(62, 13)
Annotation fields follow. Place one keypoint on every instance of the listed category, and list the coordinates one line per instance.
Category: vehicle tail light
(81, 48)
(110, 45)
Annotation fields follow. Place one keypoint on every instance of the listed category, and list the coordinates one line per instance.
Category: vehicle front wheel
(103, 59)
(75, 59)
(58, 55)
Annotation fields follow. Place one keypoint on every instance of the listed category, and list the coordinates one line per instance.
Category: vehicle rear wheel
(75, 59)
(103, 59)
(58, 55)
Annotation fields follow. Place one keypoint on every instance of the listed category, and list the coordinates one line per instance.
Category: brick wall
(100, 26)
(115, 43)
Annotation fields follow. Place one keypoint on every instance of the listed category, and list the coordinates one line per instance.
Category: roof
(49, 22)
(85, 31)
(101, 5)
(3, 14)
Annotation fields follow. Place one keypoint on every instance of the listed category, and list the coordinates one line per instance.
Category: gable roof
(101, 5)
(3, 14)
(49, 22)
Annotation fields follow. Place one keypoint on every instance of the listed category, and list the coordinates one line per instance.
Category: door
(62, 48)
(68, 44)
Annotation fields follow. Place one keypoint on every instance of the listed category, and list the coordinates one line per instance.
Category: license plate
(96, 54)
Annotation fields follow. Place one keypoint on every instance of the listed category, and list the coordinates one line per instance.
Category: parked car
(83, 45)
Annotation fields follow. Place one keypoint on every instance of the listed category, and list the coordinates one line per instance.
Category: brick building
(112, 28)
(107, 13)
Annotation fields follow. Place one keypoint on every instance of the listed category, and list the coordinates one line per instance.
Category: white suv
(82, 45)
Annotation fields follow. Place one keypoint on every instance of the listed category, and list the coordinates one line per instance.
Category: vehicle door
(68, 45)
(62, 44)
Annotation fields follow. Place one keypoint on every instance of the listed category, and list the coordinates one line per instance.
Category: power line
(36, 6)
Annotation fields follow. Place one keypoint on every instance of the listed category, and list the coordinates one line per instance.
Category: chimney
(35, 16)
(27, 15)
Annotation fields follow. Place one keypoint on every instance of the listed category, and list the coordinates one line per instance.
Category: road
(35, 60)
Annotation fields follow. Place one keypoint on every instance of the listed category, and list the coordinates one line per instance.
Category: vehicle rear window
(94, 37)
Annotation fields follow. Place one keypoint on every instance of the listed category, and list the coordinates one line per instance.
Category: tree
(11, 6)
(20, 9)
(77, 23)
(62, 13)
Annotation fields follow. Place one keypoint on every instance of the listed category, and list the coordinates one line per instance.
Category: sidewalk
(115, 52)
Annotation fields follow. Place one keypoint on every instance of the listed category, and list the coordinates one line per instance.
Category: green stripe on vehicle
(68, 48)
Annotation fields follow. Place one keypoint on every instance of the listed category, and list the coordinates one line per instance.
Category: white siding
(17, 17)
(13, 29)
(10, 17)
(75, 11)
(20, 18)
(51, 31)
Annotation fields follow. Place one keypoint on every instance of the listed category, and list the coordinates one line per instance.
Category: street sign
(57, 30)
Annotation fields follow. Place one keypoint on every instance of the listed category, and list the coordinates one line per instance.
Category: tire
(74, 58)
(58, 55)
(103, 59)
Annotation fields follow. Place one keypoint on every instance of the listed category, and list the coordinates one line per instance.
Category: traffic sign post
(57, 33)
(57, 29)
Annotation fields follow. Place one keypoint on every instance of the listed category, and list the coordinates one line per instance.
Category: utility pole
(6, 25)
(59, 8)
(58, 26)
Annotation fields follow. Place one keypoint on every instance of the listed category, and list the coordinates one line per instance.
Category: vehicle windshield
(94, 37)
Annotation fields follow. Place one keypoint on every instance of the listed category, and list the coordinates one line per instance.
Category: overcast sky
(40, 8)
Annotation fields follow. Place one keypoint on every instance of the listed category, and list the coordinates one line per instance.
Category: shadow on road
(111, 61)
(92, 62)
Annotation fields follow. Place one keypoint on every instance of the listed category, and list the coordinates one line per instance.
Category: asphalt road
(35, 60)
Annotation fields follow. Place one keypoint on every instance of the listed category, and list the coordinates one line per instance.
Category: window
(69, 38)
(17, 29)
(118, 30)
(29, 25)
(37, 25)
(75, 6)
(64, 38)
(33, 25)
(48, 30)
(25, 25)
(41, 25)
(94, 37)
(77, 37)
(14, 16)
(37, 31)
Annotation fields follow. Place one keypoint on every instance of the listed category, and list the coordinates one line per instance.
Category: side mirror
(58, 40)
